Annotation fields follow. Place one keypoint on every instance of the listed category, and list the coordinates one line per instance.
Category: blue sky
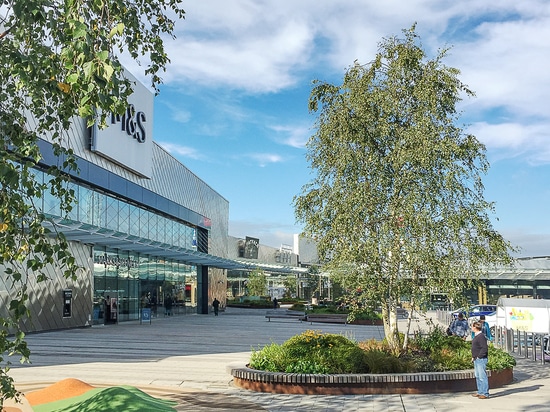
(233, 106)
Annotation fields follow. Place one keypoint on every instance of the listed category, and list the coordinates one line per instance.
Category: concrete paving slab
(186, 356)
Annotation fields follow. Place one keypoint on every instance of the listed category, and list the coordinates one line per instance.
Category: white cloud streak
(263, 159)
(183, 151)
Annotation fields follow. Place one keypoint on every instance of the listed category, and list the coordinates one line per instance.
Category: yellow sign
(521, 319)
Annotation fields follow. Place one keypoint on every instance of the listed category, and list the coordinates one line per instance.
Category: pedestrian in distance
(275, 303)
(480, 353)
(485, 329)
(168, 305)
(459, 327)
(216, 306)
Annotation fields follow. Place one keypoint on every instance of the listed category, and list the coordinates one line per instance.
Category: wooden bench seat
(327, 317)
(285, 314)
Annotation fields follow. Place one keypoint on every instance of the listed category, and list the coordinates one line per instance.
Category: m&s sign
(132, 122)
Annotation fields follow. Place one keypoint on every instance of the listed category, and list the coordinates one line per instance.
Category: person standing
(275, 303)
(485, 329)
(459, 327)
(107, 310)
(480, 353)
(216, 306)
(168, 305)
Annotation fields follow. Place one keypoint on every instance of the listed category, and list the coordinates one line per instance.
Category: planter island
(359, 384)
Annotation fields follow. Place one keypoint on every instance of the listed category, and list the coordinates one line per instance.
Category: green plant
(452, 359)
(380, 361)
(347, 359)
(315, 352)
(257, 283)
(298, 306)
(270, 358)
(366, 315)
(372, 344)
(311, 352)
(499, 360)
(435, 339)
(306, 366)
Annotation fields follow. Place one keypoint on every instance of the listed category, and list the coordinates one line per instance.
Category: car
(475, 311)
(490, 319)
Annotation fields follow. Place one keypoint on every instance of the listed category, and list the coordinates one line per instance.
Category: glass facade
(125, 281)
(107, 212)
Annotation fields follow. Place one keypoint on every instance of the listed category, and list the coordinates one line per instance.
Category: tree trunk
(391, 330)
(408, 330)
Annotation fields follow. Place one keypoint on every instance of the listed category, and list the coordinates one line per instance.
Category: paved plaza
(186, 357)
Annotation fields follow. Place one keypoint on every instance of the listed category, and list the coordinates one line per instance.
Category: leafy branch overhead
(60, 59)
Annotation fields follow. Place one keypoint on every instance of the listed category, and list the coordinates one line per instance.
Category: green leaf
(80, 30)
(108, 71)
(72, 78)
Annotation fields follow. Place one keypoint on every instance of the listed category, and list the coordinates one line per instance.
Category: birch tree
(397, 201)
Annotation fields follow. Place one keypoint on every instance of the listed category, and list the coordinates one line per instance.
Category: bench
(327, 317)
(285, 314)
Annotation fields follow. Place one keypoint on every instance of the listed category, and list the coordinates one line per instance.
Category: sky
(233, 106)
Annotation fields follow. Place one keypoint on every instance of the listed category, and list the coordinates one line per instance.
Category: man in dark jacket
(216, 306)
(480, 353)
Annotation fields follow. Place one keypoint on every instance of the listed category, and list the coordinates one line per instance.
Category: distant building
(306, 250)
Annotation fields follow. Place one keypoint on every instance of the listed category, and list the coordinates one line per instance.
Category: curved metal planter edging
(360, 384)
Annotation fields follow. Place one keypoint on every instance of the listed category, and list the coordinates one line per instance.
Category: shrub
(306, 366)
(315, 352)
(499, 360)
(311, 352)
(372, 344)
(434, 340)
(271, 358)
(379, 361)
(447, 359)
(366, 314)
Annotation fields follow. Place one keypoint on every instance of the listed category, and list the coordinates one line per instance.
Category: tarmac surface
(186, 357)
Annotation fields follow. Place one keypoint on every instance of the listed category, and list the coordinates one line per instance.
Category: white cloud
(263, 159)
(501, 136)
(507, 140)
(177, 114)
(179, 150)
(507, 66)
(293, 136)
(248, 49)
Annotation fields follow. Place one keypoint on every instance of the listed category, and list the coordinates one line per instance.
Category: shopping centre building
(146, 229)
(143, 228)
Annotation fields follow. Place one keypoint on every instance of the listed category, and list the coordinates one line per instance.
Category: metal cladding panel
(46, 298)
(169, 179)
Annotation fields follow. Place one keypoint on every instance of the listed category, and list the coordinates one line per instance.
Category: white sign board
(528, 315)
(128, 139)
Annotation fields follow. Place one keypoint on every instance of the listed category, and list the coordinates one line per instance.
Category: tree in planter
(291, 286)
(58, 61)
(397, 204)
(313, 282)
(257, 283)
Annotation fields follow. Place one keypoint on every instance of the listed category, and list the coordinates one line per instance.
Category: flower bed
(317, 363)
(358, 384)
